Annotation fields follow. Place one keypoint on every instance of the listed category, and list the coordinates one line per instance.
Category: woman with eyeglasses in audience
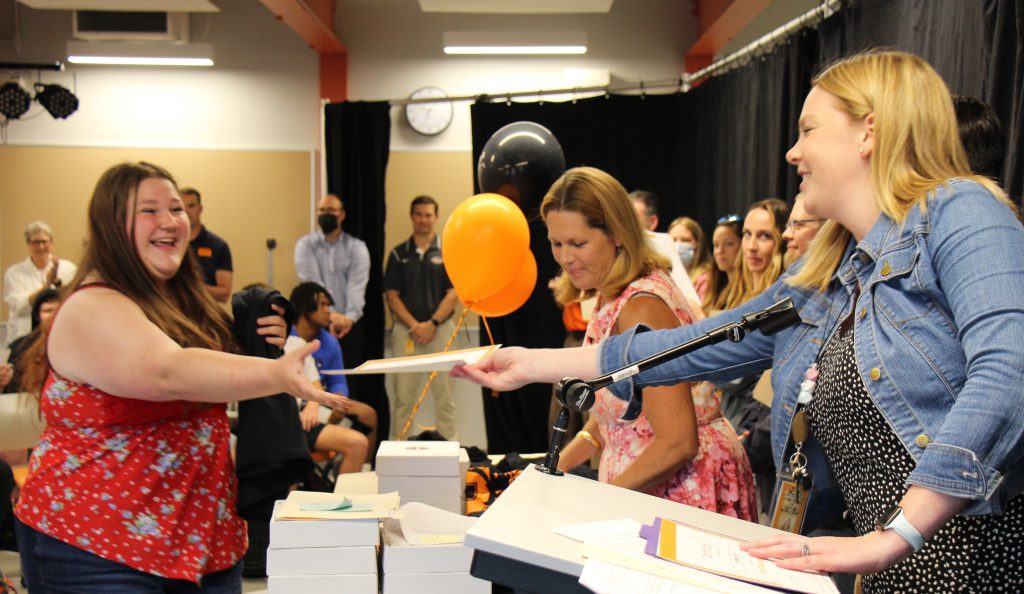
(725, 250)
(693, 253)
(800, 230)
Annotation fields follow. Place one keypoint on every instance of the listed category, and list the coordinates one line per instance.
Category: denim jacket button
(863, 313)
(922, 440)
(886, 269)
(876, 373)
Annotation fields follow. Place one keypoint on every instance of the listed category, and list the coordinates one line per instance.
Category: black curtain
(636, 139)
(604, 132)
(740, 126)
(716, 149)
(975, 47)
(706, 153)
(358, 137)
(1004, 83)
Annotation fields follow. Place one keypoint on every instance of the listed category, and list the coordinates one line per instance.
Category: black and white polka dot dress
(969, 554)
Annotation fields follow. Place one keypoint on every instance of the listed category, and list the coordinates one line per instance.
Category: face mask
(685, 253)
(328, 223)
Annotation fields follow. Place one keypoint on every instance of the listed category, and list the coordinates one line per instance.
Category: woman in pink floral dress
(678, 446)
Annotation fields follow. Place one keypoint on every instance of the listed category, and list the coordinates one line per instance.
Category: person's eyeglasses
(733, 218)
(39, 241)
(801, 223)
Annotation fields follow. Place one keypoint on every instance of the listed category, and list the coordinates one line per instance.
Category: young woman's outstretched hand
(293, 378)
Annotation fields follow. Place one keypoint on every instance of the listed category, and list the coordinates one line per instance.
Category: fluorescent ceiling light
(140, 54)
(125, 5)
(511, 43)
(516, 6)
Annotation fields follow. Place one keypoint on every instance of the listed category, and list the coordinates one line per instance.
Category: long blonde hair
(745, 288)
(916, 144)
(605, 205)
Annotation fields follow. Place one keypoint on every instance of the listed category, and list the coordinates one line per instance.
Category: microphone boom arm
(576, 395)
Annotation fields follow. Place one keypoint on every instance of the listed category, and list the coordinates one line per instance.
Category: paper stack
(427, 472)
(313, 550)
(424, 553)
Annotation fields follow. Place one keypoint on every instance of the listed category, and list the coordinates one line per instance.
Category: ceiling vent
(102, 25)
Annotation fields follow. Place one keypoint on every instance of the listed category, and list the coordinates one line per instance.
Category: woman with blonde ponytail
(903, 378)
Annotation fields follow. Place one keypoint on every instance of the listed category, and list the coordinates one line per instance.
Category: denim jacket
(939, 341)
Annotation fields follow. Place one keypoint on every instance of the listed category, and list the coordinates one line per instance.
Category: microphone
(577, 395)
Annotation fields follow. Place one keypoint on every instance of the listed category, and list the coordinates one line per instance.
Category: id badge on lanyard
(795, 480)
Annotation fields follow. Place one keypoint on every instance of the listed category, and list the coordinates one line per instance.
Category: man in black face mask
(340, 263)
(337, 261)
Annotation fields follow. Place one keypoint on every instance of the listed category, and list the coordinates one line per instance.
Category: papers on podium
(720, 554)
(419, 363)
(619, 543)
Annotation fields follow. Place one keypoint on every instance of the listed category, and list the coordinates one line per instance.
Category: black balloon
(521, 161)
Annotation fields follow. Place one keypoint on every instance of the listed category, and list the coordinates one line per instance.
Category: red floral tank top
(147, 484)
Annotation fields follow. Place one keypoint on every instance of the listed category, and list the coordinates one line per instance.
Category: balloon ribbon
(430, 380)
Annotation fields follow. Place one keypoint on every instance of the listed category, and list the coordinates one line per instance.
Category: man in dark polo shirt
(422, 300)
(213, 252)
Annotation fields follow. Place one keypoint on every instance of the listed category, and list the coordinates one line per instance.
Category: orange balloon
(485, 241)
(513, 295)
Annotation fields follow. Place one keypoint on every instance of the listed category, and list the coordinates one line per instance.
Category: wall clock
(429, 118)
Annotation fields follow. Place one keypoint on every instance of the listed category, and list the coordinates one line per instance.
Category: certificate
(419, 363)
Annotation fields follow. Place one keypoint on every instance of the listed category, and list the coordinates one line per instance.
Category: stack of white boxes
(430, 569)
(322, 556)
(429, 472)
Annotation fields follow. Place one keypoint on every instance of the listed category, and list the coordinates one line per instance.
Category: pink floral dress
(718, 478)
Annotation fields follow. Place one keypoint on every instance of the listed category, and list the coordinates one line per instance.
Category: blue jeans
(51, 566)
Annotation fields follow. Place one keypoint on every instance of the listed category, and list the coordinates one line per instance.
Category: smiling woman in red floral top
(131, 488)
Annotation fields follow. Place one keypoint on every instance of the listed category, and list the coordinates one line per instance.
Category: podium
(515, 544)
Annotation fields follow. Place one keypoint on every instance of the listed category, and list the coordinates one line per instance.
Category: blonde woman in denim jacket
(921, 263)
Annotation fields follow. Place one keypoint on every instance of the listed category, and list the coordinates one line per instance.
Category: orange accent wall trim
(334, 76)
(313, 21)
(715, 34)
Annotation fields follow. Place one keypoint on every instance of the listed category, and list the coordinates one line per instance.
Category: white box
(418, 458)
(357, 483)
(401, 557)
(463, 462)
(422, 486)
(303, 534)
(322, 584)
(433, 583)
(456, 505)
(322, 561)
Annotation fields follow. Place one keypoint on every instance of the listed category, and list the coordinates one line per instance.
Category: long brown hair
(605, 205)
(744, 288)
(181, 307)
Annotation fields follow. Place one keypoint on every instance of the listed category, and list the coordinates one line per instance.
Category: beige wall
(446, 176)
(248, 196)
